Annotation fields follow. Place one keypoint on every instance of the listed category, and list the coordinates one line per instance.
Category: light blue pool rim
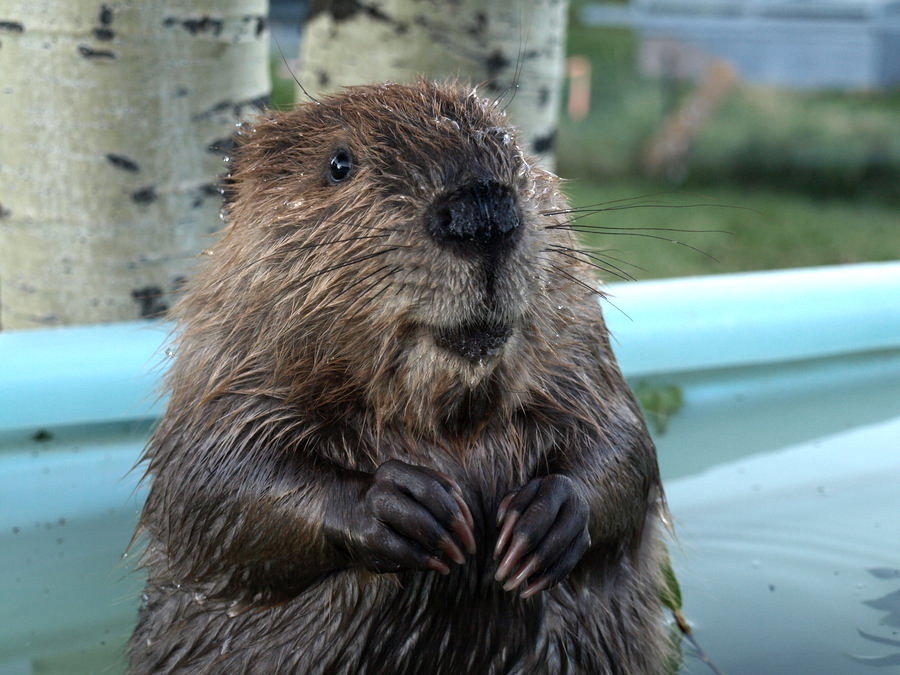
(109, 373)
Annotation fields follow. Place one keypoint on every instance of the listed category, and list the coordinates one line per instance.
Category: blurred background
(797, 129)
(759, 134)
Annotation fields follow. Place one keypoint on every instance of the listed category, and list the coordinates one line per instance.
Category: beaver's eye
(340, 166)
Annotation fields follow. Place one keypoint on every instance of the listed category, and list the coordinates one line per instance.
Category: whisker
(275, 255)
(281, 250)
(363, 226)
(344, 240)
(644, 232)
(590, 227)
(291, 71)
(649, 197)
(389, 271)
(571, 277)
(351, 261)
(621, 311)
(605, 253)
(632, 203)
(508, 96)
(593, 259)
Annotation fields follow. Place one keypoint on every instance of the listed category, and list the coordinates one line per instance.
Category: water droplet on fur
(441, 121)
(170, 353)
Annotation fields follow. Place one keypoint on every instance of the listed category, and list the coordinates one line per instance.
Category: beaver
(397, 440)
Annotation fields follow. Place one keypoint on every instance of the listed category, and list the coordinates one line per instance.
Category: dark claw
(543, 534)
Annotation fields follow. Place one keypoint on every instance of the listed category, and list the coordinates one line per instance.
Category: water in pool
(788, 550)
(790, 561)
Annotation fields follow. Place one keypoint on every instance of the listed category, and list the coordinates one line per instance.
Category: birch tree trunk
(114, 117)
(514, 51)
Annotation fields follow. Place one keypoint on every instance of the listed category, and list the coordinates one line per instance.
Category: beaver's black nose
(479, 218)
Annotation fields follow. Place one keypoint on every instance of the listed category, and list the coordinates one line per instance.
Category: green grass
(284, 87)
(727, 228)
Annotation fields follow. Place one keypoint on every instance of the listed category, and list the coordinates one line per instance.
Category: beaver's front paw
(543, 534)
(410, 517)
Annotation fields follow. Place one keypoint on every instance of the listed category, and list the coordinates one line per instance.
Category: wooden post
(667, 153)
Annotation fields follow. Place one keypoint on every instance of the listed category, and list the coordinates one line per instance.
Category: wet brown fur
(306, 354)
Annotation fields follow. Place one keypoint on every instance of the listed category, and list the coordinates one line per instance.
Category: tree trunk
(513, 51)
(114, 118)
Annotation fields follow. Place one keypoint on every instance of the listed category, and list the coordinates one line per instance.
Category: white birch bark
(114, 117)
(513, 51)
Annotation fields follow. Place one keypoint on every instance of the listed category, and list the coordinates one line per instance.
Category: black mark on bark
(103, 32)
(150, 301)
(341, 10)
(221, 146)
(206, 24)
(204, 192)
(543, 96)
(495, 63)
(261, 23)
(479, 28)
(91, 53)
(122, 162)
(144, 196)
(234, 109)
(546, 143)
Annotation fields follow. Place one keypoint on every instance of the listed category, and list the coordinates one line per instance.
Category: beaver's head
(391, 246)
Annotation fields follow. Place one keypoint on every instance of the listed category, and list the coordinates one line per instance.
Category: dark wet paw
(411, 517)
(543, 534)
